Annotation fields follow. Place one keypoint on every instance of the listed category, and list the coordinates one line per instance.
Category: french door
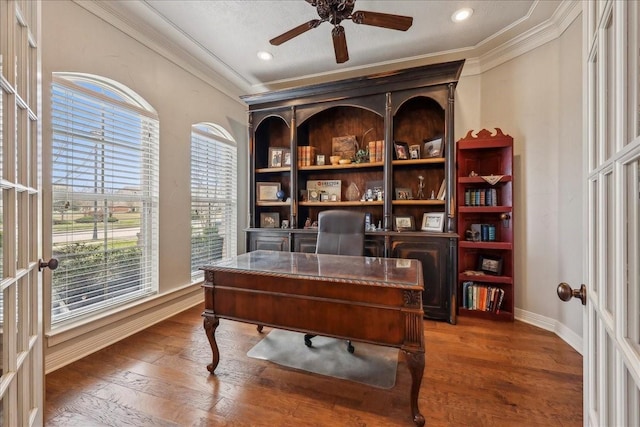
(21, 380)
(612, 193)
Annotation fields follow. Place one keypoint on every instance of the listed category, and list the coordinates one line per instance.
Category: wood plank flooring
(478, 373)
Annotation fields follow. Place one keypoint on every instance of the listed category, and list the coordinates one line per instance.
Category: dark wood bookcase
(484, 180)
(409, 106)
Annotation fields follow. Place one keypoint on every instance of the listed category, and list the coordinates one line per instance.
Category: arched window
(213, 196)
(105, 196)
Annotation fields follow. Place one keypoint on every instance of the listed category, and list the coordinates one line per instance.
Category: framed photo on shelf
(404, 193)
(401, 150)
(433, 221)
(269, 220)
(286, 157)
(275, 157)
(490, 264)
(414, 152)
(266, 191)
(433, 148)
(403, 223)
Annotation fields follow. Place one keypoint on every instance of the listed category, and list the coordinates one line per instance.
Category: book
(442, 191)
(380, 150)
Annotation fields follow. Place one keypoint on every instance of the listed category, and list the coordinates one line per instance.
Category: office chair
(339, 233)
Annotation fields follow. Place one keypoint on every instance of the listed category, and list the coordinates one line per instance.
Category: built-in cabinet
(485, 223)
(394, 132)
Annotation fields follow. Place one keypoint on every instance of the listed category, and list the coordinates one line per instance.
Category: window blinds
(213, 197)
(105, 199)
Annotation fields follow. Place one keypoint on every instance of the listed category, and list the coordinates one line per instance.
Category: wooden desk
(374, 300)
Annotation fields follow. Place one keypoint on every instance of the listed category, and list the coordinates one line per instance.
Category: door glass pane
(633, 402)
(610, 381)
(609, 246)
(595, 243)
(633, 72)
(609, 87)
(632, 261)
(594, 121)
(594, 353)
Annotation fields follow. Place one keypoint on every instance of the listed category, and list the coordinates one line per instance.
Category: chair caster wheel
(350, 348)
(307, 341)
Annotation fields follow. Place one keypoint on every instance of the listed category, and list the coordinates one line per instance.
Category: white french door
(612, 190)
(21, 380)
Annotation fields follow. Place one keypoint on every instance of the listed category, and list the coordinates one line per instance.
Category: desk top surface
(395, 272)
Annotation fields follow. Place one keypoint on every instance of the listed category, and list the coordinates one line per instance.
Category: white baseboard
(552, 325)
(133, 320)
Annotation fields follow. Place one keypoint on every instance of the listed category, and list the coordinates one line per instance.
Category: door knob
(565, 293)
(52, 264)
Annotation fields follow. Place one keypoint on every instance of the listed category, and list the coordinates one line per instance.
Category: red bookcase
(484, 194)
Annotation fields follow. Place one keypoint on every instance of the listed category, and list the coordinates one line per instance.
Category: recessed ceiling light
(461, 14)
(265, 56)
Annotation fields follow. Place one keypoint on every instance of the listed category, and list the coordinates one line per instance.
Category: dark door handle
(565, 293)
(52, 264)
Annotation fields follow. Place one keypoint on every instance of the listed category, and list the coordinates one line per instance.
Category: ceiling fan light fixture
(462, 14)
(264, 55)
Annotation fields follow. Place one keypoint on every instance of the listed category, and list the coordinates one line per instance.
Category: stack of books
(482, 297)
(376, 151)
(306, 155)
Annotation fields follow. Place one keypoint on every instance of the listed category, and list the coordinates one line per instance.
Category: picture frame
(275, 157)
(286, 157)
(404, 193)
(269, 220)
(433, 148)
(433, 221)
(344, 146)
(401, 150)
(404, 223)
(414, 152)
(490, 264)
(320, 160)
(266, 191)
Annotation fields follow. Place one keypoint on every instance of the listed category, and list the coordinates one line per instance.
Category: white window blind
(105, 197)
(213, 196)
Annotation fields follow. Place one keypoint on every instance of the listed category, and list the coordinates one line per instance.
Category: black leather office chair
(339, 233)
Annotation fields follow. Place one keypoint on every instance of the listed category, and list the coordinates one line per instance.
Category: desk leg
(415, 361)
(210, 325)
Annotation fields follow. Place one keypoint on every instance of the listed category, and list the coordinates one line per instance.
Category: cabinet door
(268, 242)
(304, 243)
(434, 255)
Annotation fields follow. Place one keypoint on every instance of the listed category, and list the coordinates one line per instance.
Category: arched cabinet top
(373, 104)
(260, 117)
(435, 95)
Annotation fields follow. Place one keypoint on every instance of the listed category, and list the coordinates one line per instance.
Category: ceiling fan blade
(277, 41)
(385, 20)
(340, 44)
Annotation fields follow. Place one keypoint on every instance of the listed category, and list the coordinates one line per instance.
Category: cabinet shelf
(485, 278)
(344, 204)
(418, 202)
(349, 166)
(274, 170)
(480, 180)
(434, 160)
(484, 209)
(505, 246)
(506, 316)
(274, 203)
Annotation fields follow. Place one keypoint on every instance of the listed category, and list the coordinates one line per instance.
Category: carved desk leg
(415, 362)
(210, 325)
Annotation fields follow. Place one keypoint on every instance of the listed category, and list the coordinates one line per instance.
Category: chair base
(308, 343)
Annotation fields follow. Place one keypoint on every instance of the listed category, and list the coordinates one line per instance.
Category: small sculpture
(307, 223)
(420, 194)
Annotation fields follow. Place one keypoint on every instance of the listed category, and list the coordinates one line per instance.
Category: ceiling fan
(335, 11)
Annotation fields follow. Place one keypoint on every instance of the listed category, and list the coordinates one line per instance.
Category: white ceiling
(220, 39)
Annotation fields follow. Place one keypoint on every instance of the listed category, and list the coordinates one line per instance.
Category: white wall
(76, 40)
(537, 99)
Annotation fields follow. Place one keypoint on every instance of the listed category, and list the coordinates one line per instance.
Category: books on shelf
(480, 197)
(376, 151)
(482, 297)
(306, 155)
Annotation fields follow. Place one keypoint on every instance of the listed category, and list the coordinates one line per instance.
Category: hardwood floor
(478, 373)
